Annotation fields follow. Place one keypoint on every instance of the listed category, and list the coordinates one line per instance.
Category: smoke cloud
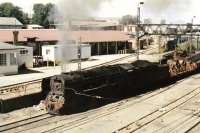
(78, 9)
(66, 11)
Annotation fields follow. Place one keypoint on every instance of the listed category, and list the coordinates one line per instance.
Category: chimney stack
(15, 37)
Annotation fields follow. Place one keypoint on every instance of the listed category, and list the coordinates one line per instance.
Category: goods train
(114, 81)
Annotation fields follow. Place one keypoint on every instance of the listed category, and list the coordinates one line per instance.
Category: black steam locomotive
(114, 81)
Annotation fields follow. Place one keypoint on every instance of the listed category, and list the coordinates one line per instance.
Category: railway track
(110, 62)
(117, 60)
(192, 129)
(174, 104)
(23, 122)
(132, 127)
(67, 122)
(144, 121)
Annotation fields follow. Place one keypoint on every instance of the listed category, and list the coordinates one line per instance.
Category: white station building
(11, 57)
(61, 53)
(25, 56)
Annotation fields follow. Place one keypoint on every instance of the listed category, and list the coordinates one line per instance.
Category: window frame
(48, 51)
(24, 52)
(3, 59)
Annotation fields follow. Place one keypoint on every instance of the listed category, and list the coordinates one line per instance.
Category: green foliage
(9, 10)
(42, 14)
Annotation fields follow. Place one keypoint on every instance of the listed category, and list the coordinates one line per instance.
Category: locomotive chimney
(15, 37)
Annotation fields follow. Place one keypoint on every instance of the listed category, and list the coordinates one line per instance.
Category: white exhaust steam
(66, 11)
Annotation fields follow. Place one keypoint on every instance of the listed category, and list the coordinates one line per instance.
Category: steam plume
(66, 11)
(79, 9)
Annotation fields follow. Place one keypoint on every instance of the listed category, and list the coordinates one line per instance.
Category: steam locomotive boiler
(108, 81)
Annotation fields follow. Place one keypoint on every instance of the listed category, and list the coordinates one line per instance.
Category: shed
(65, 52)
(8, 59)
(25, 56)
(102, 42)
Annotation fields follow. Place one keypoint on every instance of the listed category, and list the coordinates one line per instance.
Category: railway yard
(177, 110)
(169, 108)
(104, 66)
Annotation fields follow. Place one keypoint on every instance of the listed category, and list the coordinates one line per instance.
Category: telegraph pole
(79, 55)
(137, 30)
(191, 35)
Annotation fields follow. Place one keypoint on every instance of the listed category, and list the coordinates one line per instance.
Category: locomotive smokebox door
(55, 100)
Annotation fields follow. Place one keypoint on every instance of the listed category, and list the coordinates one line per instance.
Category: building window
(3, 60)
(24, 52)
(47, 51)
(13, 59)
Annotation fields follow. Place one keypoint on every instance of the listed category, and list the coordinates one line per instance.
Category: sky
(175, 11)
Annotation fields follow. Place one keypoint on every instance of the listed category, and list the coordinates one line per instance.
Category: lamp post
(139, 13)
(137, 29)
(192, 21)
(79, 55)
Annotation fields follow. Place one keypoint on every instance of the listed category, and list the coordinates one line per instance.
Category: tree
(42, 14)
(9, 10)
(128, 19)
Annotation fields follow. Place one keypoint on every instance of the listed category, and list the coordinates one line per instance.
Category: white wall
(86, 51)
(50, 56)
(64, 53)
(8, 69)
(26, 59)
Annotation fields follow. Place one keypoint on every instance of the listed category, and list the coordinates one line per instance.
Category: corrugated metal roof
(10, 21)
(57, 35)
(6, 46)
(93, 23)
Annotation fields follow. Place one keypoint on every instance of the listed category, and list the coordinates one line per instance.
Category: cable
(91, 96)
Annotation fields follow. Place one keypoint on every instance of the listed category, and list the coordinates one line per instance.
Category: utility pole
(178, 42)
(137, 30)
(190, 51)
(198, 43)
(159, 48)
(79, 55)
